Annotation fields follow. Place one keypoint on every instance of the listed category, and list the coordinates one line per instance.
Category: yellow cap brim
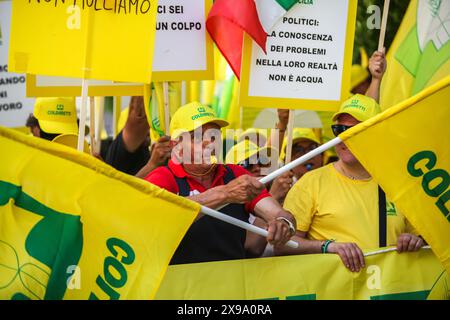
(354, 115)
(58, 127)
(71, 140)
(220, 122)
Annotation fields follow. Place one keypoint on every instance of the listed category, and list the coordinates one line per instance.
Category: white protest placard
(183, 47)
(14, 105)
(308, 60)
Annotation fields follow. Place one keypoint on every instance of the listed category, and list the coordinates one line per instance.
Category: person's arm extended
(136, 128)
(350, 254)
(377, 67)
(306, 246)
(211, 198)
(279, 231)
(277, 136)
(254, 243)
(240, 190)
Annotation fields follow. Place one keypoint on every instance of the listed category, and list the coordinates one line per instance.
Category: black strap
(382, 217)
(228, 176)
(183, 186)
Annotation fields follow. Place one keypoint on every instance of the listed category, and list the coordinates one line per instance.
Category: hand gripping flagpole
(241, 224)
(247, 226)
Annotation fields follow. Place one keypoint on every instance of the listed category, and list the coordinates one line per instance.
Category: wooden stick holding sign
(92, 123)
(84, 97)
(183, 93)
(383, 25)
(99, 123)
(166, 108)
(289, 134)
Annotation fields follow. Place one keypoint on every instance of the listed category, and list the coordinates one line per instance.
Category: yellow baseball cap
(299, 134)
(244, 150)
(56, 115)
(71, 140)
(360, 107)
(192, 116)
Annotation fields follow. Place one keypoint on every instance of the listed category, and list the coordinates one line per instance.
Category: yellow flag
(388, 276)
(154, 100)
(407, 151)
(104, 40)
(420, 53)
(72, 227)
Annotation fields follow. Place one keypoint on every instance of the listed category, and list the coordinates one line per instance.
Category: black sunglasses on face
(339, 128)
(299, 150)
(262, 162)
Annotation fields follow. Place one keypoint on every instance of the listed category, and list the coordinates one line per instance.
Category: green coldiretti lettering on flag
(56, 241)
(154, 112)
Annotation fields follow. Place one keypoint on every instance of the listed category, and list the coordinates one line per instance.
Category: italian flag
(229, 19)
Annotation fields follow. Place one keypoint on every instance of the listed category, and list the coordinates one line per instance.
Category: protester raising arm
(136, 129)
(277, 136)
(377, 67)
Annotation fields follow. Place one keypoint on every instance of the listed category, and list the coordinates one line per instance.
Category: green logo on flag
(56, 242)
(391, 210)
(426, 48)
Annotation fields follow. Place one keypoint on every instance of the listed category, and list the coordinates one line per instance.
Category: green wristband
(325, 246)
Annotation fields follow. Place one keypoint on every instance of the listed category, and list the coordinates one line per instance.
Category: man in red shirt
(190, 173)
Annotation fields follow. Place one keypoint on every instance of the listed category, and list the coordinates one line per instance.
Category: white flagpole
(247, 226)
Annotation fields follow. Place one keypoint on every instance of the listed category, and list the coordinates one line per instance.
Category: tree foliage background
(364, 37)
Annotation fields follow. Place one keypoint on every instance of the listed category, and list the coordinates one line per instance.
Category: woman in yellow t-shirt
(337, 206)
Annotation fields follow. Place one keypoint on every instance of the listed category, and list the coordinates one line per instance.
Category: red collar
(179, 172)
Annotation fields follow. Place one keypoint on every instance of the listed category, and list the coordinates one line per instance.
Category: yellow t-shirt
(329, 205)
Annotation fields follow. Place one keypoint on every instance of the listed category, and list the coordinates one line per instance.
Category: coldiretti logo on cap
(202, 114)
(355, 104)
(59, 111)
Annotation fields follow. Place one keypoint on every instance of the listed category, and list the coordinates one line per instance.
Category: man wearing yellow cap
(340, 208)
(52, 117)
(191, 173)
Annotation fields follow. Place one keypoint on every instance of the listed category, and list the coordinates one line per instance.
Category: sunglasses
(262, 162)
(339, 128)
(299, 150)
